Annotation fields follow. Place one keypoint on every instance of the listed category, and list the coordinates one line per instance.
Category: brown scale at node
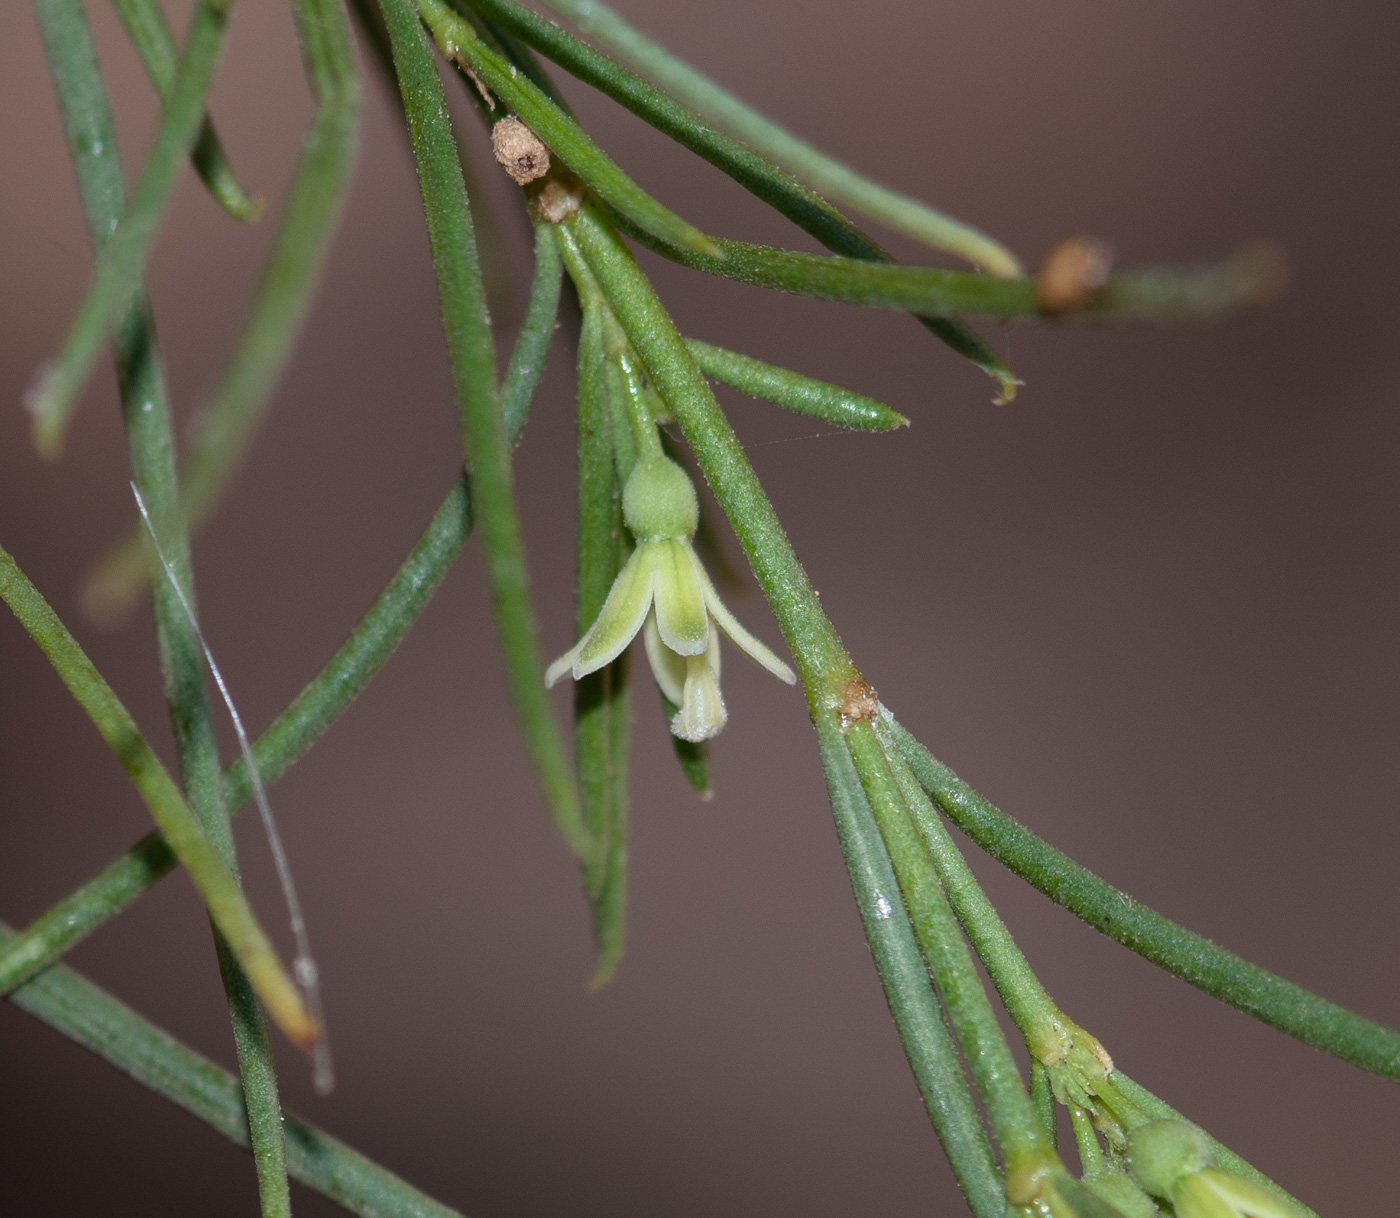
(519, 151)
(558, 196)
(1072, 273)
(859, 702)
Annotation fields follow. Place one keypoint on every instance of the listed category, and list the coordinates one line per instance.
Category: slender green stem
(119, 269)
(1195, 959)
(793, 391)
(299, 725)
(640, 407)
(1086, 1140)
(283, 297)
(825, 667)
(932, 1056)
(97, 1021)
(1043, 1098)
(91, 138)
(219, 889)
(638, 397)
(823, 173)
(601, 702)
(560, 133)
(1014, 1122)
(149, 31)
(473, 358)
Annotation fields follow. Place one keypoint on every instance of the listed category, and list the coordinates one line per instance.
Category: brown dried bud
(519, 151)
(1071, 273)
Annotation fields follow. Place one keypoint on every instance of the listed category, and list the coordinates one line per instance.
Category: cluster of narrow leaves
(927, 920)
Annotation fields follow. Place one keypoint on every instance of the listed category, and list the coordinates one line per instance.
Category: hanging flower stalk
(664, 592)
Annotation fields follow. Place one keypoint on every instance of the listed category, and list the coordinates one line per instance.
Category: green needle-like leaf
(219, 889)
(1166, 294)
(123, 259)
(693, 756)
(94, 1019)
(601, 702)
(932, 1056)
(561, 134)
(1219, 972)
(91, 138)
(1024, 1144)
(472, 353)
(1021, 992)
(1044, 1100)
(793, 391)
(149, 31)
(283, 297)
(830, 177)
(536, 334)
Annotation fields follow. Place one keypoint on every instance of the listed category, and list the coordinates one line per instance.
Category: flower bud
(659, 501)
(1161, 1153)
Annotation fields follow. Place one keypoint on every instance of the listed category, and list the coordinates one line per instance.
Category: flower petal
(742, 638)
(666, 666)
(1246, 1197)
(702, 713)
(563, 664)
(1194, 1196)
(622, 614)
(680, 598)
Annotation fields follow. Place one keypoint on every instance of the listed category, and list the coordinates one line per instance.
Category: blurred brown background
(1149, 608)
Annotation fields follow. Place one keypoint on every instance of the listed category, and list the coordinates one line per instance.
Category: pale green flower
(664, 592)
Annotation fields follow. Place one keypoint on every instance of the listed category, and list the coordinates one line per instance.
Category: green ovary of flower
(664, 592)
